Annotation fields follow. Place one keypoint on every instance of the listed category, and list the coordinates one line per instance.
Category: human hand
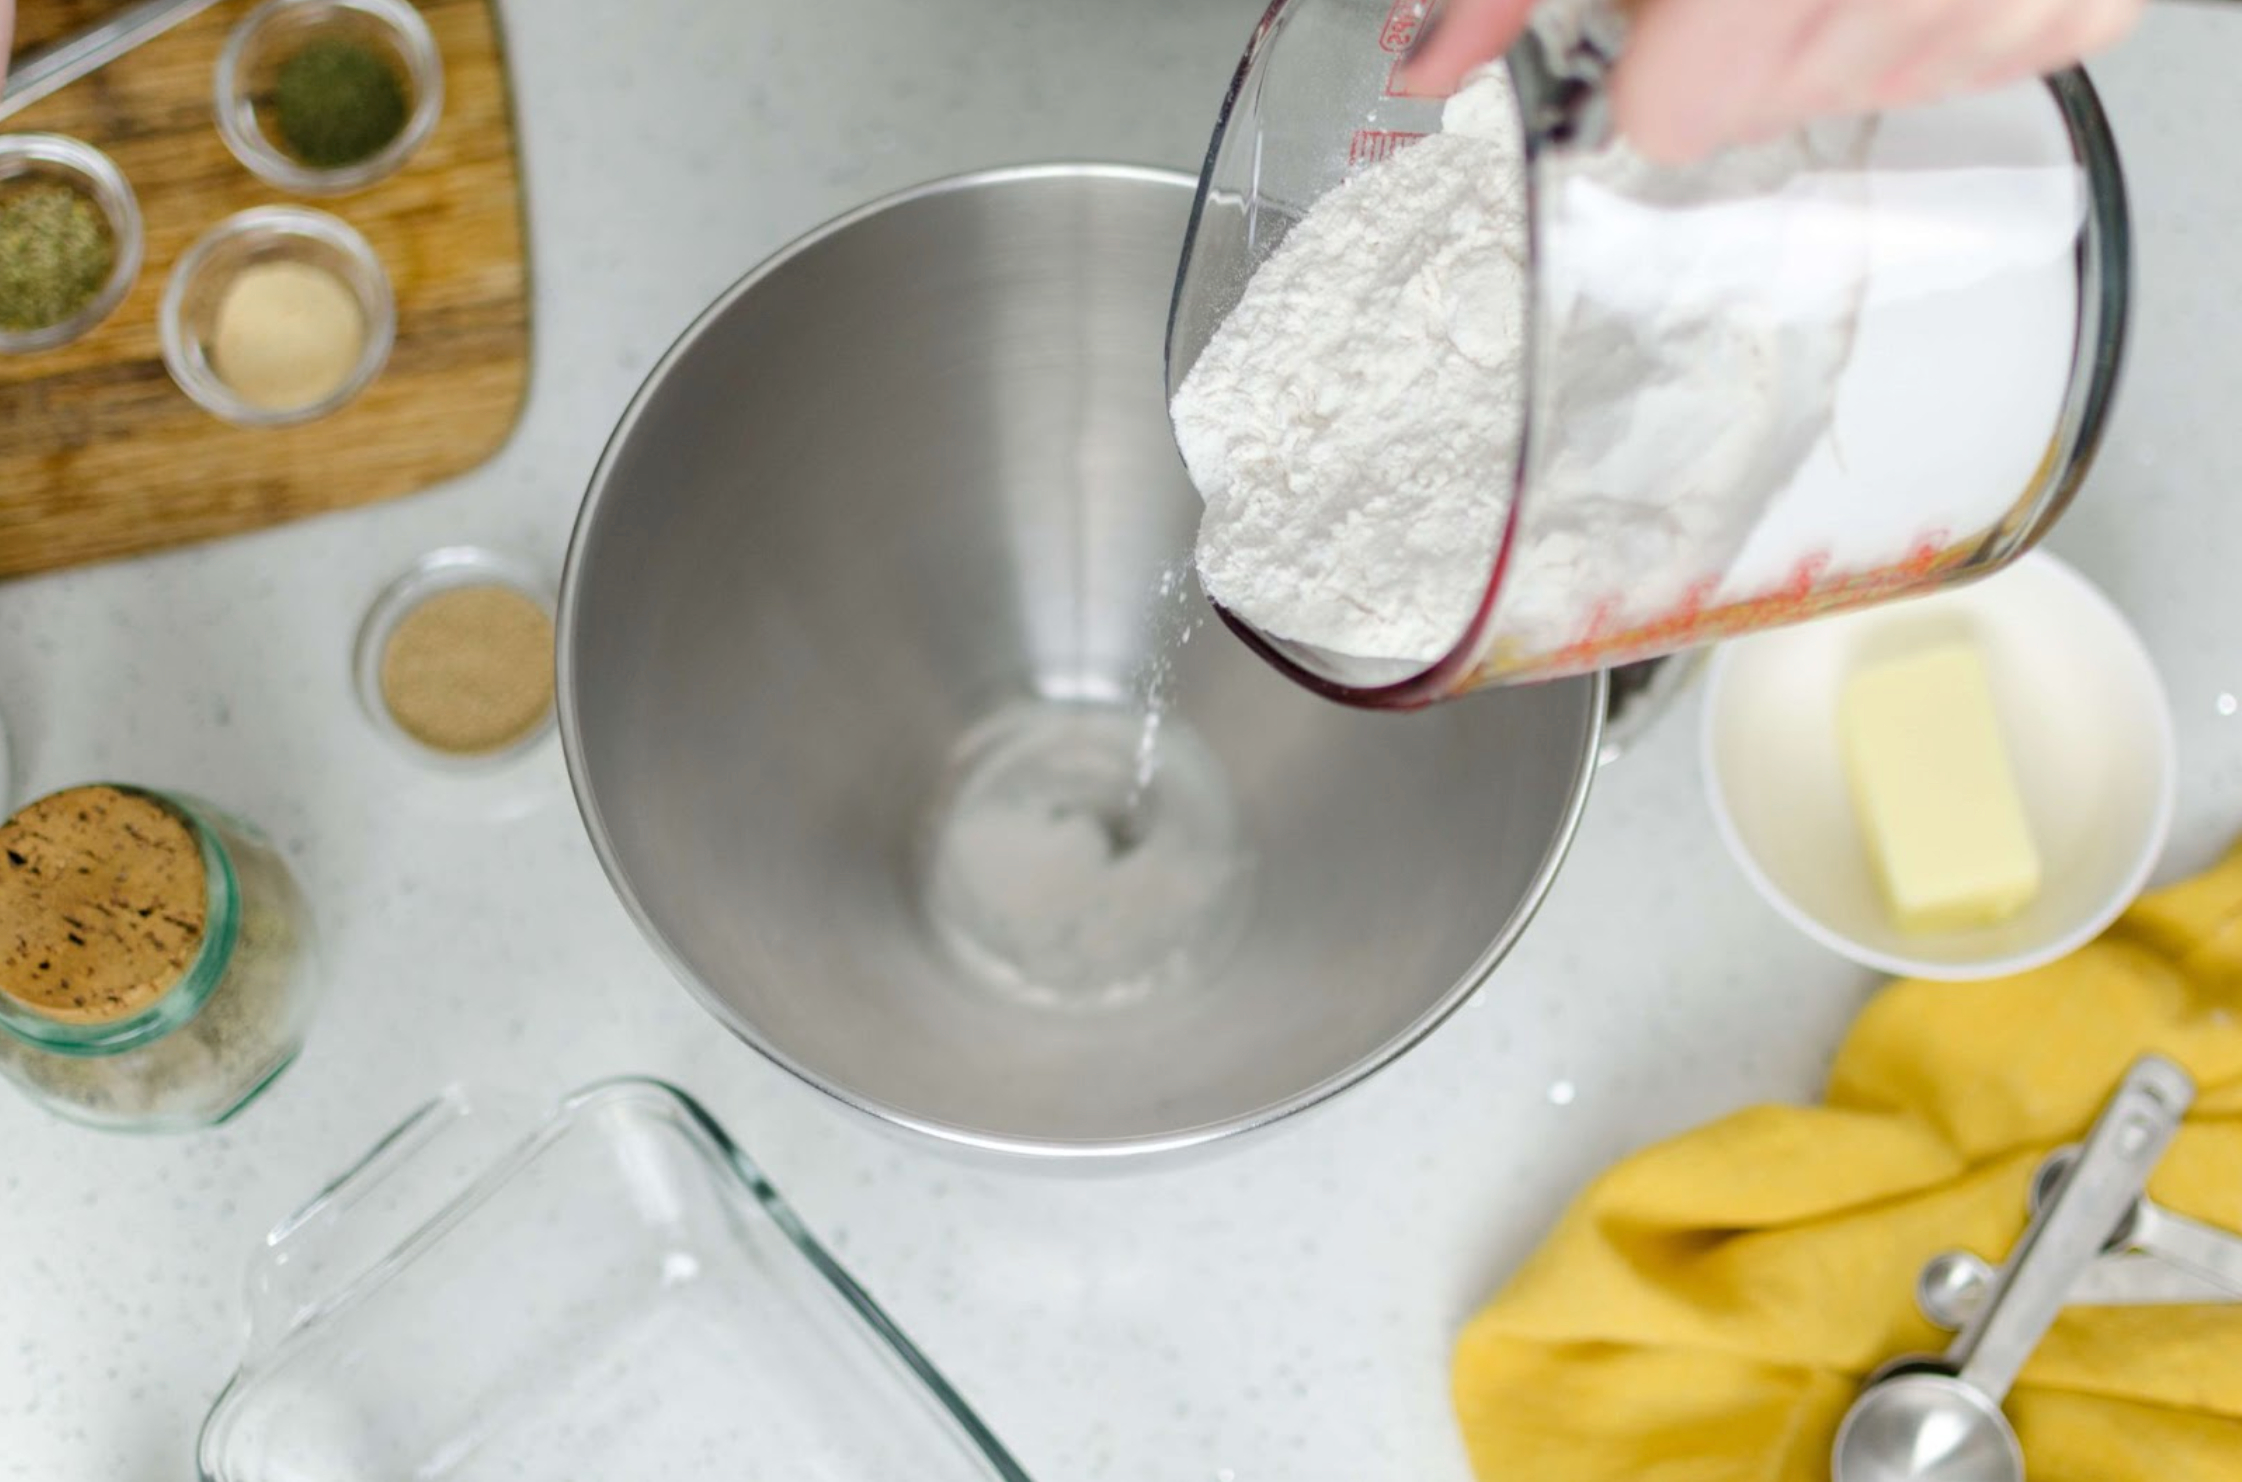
(1701, 74)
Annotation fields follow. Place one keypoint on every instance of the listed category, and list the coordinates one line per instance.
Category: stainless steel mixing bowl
(855, 636)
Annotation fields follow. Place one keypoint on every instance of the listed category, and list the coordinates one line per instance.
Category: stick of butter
(1936, 799)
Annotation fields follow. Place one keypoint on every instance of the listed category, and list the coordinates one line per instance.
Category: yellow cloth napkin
(1706, 1310)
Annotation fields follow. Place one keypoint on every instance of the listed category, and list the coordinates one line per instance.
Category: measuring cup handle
(2204, 1252)
(2111, 1171)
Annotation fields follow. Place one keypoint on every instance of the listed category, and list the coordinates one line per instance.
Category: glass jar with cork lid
(157, 971)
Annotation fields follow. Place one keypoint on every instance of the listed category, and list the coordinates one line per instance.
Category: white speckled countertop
(1280, 1313)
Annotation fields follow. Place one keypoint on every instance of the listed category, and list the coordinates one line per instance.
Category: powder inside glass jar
(470, 670)
(104, 898)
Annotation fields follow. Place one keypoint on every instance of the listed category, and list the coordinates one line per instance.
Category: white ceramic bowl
(2089, 734)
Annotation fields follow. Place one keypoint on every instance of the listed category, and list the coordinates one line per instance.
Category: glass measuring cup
(1934, 301)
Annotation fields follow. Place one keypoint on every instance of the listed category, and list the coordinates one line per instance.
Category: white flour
(1355, 424)
(1352, 422)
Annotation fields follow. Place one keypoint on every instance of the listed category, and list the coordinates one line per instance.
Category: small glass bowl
(267, 234)
(67, 161)
(441, 571)
(272, 33)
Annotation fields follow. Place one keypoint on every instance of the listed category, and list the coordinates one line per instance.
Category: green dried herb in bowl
(337, 103)
(56, 251)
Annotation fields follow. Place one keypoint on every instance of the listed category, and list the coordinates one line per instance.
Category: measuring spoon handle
(2201, 1250)
(2069, 1230)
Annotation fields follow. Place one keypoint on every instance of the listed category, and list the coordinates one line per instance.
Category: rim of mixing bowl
(2104, 262)
(1048, 1150)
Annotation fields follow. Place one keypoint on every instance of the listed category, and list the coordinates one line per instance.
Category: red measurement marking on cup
(1694, 598)
(1403, 19)
(1811, 590)
(1371, 145)
(1925, 554)
(1806, 576)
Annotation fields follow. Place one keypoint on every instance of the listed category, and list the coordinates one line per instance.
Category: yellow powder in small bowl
(287, 335)
(470, 669)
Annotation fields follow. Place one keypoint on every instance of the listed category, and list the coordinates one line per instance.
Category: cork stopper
(103, 902)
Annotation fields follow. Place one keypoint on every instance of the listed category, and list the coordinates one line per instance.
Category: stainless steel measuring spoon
(1939, 1419)
(2148, 1228)
(1953, 1284)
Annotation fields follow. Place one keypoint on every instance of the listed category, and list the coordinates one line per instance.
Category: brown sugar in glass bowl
(456, 657)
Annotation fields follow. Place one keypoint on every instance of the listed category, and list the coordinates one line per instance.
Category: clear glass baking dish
(618, 1295)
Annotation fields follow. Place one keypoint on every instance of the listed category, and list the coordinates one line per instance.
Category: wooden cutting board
(101, 455)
